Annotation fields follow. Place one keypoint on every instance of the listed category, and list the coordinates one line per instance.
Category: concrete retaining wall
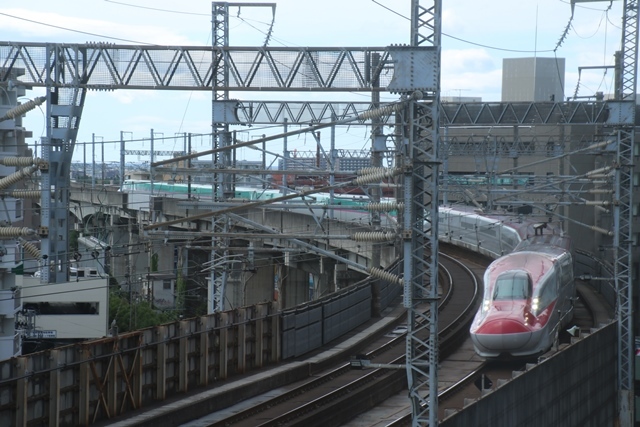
(575, 387)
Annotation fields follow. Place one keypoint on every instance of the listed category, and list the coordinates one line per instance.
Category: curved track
(591, 309)
(336, 395)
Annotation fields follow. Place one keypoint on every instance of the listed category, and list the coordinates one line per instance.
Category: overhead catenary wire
(366, 115)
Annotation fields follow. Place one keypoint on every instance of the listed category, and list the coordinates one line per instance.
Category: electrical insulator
(18, 161)
(375, 177)
(17, 176)
(25, 194)
(30, 248)
(387, 110)
(16, 231)
(385, 206)
(373, 236)
(384, 275)
(369, 170)
(23, 108)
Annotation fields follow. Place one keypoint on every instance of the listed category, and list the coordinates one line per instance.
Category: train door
(567, 289)
(546, 295)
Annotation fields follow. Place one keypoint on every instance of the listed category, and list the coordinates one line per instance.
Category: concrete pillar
(241, 339)
(54, 389)
(260, 310)
(204, 351)
(183, 365)
(112, 383)
(84, 412)
(223, 352)
(276, 351)
(136, 375)
(161, 363)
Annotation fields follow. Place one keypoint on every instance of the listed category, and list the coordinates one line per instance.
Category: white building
(160, 289)
(532, 79)
(65, 311)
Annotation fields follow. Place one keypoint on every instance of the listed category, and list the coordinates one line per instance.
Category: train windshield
(512, 285)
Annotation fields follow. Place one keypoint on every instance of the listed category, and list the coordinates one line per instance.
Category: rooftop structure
(532, 79)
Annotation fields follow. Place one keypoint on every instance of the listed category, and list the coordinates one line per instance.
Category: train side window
(567, 272)
(548, 292)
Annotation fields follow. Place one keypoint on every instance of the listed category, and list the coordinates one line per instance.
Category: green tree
(73, 240)
(119, 309)
(136, 315)
(181, 291)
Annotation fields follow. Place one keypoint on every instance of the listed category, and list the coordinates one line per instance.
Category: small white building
(160, 290)
(69, 310)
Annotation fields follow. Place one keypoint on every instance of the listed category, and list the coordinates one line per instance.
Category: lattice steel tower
(420, 228)
(623, 215)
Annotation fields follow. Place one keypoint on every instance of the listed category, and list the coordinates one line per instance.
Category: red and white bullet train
(528, 297)
(528, 293)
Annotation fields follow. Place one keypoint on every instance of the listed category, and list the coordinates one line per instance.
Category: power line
(75, 31)
(158, 9)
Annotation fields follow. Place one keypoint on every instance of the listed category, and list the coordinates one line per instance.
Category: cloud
(42, 26)
(471, 72)
(502, 28)
(457, 61)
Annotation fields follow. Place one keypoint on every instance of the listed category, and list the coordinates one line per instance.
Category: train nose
(502, 326)
(502, 335)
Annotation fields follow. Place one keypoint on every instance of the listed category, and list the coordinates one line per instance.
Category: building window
(166, 284)
(71, 308)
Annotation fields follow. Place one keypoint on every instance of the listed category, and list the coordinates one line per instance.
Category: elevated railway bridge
(261, 267)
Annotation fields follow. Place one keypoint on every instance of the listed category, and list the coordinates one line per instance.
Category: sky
(477, 36)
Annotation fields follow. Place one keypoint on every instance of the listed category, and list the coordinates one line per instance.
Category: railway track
(335, 396)
(590, 311)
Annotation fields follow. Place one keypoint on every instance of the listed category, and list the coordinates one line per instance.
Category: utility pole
(102, 163)
(93, 161)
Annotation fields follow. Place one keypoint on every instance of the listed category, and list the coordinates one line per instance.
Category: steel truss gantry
(67, 71)
(104, 66)
(451, 114)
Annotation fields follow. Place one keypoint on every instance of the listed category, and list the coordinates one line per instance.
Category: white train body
(490, 235)
(346, 208)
